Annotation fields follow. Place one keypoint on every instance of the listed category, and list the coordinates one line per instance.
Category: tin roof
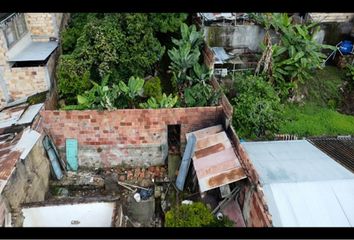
(18, 115)
(35, 51)
(303, 186)
(331, 17)
(340, 149)
(214, 160)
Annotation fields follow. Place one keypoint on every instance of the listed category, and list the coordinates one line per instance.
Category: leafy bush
(257, 108)
(193, 215)
(350, 74)
(152, 88)
(167, 22)
(132, 90)
(116, 44)
(189, 35)
(201, 95)
(162, 102)
(73, 78)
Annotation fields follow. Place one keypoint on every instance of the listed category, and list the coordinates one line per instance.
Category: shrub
(193, 215)
(152, 88)
(201, 95)
(350, 74)
(257, 107)
(163, 102)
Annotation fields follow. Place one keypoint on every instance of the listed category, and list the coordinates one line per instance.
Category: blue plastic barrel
(346, 47)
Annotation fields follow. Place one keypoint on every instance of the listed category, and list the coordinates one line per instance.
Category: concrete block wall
(252, 200)
(133, 137)
(28, 183)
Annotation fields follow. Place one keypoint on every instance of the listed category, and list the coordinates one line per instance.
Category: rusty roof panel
(213, 139)
(221, 179)
(209, 150)
(215, 161)
(10, 116)
(8, 156)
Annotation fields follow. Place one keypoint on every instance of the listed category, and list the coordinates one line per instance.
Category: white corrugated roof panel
(303, 186)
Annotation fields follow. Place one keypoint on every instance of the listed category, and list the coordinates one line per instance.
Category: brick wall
(252, 200)
(134, 137)
(25, 81)
(41, 25)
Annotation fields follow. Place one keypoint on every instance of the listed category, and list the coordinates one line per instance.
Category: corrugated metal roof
(217, 16)
(220, 55)
(340, 149)
(10, 116)
(215, 161)
(303, 186)
(30, 113)
(35, 51)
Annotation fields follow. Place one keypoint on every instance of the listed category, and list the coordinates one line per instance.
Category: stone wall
(28, 183)
(252, 200)
(133, 137)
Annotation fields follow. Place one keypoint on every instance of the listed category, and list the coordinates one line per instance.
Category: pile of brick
(156, 173)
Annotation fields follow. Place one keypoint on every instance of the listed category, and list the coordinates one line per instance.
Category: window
(15, 29)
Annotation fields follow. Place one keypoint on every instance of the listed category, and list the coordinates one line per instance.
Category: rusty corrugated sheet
(215, 161)
(8, 156)
(341, 150)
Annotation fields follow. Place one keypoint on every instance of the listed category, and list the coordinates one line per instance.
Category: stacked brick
(136, 137)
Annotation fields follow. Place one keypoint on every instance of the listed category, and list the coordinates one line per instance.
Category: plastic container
(346, 47)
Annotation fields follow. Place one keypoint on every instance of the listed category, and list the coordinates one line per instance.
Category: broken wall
(132, 137)
(28, 183)
(252, 201)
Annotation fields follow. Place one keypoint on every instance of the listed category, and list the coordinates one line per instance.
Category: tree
(167, 22)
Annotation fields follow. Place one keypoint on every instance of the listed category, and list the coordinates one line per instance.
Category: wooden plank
(186, 160)
(206, 131)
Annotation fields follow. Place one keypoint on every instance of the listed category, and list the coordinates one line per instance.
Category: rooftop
(303, 186)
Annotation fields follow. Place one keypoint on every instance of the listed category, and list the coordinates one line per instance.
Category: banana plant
(132, 90)
(164, 102)
(189, 35)
(200, 74)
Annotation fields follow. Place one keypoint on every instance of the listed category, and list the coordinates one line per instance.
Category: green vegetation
(350, 74)
(257, 107)
(152, 88)
(312, 120)
(190, 78)
(193, 215)
(292, 60)
(163, 101)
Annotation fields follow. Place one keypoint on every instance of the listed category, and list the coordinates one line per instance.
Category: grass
(312, 120)
(317, 116)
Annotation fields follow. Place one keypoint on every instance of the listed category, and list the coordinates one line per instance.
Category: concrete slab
(97, 214)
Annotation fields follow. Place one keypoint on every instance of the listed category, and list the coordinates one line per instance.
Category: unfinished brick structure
(18, 78)
(133, 137)
(252, 201)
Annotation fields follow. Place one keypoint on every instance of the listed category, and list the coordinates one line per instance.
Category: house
(303, 187)
(28, 43)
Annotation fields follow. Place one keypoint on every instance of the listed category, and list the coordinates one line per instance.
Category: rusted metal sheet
(212, 140)
(206, 131)
(10, 116)
(220, 179)
(8, 156)
(209, 150)
(215, 161)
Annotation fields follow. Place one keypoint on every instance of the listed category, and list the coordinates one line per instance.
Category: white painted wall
(97, 214)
